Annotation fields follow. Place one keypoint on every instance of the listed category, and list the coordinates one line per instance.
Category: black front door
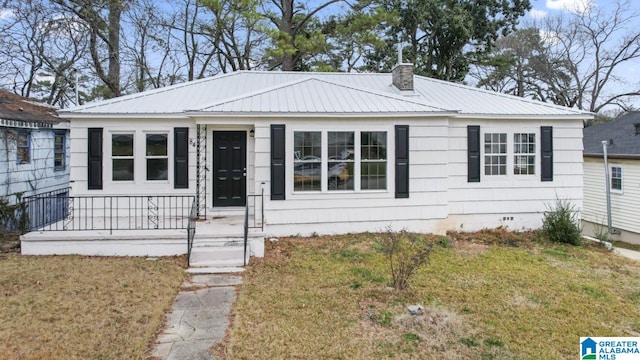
(229, 168)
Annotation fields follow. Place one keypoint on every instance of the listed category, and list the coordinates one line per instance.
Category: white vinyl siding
(514, 201)
(139, 185)
(625, 206)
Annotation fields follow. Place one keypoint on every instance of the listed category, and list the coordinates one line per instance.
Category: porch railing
(191, 229)
(255, 202)
(137, 212)
(258, 213)
(46, 208)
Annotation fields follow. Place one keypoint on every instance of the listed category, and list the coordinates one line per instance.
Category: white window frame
(324, 134)
(63, 151)
(526, 154)
(511, 154)
(122, 157)
(498, 154)
(27, 136)
(614, 190)
(147, 157)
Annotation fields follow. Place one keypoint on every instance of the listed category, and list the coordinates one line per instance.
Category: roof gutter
(613, 156)
(585, 116)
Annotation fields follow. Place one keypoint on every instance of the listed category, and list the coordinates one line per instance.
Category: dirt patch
(9, 243)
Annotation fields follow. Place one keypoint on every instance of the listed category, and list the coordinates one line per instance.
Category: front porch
(152, 226)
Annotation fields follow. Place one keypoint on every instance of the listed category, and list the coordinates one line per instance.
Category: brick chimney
(402, 76)
(402, 73)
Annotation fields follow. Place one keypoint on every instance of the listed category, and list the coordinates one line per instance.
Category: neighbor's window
(340, 146)
(495, 154)
(24, 146)
(157, 158)
(373, 157)
(616, 178)
(307, 162)
(524, 150)
(122, 156)
(58, 150)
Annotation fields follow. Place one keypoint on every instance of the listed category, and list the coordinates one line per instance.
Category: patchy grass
(488, 295)
(73, 307)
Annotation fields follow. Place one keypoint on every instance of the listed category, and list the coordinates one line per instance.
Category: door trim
(240, 170)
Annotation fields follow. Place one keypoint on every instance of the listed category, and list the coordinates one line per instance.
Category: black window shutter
(277, 162)
(94, 165)
(473, 153)
(402, 161)
(181, 158)
(546, 150)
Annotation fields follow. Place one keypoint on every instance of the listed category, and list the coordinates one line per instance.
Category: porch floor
(217, 229)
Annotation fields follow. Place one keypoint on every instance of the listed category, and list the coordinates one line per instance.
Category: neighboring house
(335, 152)
(622, 136)
(34, 155)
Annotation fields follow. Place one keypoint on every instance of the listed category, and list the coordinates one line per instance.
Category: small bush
(601, 232)
(561, 224)
(406, 253)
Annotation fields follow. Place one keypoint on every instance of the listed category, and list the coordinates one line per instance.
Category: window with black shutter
(473, 153)
(94, 164)
(181, 158)
(277, 162)
(546, 150)
(402, 161)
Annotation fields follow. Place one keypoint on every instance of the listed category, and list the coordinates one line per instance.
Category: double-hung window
(524, 154)
(122, 157)
(157, 157)
(340, 166)
(59, 150)
(339, 160)
(616, 178)
(307, 162)
(24, 146)
(373, 160)
(495, 154)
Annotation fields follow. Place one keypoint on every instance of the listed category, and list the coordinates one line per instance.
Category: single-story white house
(331, 153)
(622, 137)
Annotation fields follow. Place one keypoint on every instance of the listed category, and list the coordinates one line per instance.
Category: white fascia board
(585, 116)
(122, 116)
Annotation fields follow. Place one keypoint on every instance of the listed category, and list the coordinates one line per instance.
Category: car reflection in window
(311, 170)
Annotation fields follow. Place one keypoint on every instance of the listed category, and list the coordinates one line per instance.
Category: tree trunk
(113, 76)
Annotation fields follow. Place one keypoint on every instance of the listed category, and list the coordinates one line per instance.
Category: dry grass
(488, 295)
(73, 307)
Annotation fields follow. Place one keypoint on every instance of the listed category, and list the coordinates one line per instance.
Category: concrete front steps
(218, 245)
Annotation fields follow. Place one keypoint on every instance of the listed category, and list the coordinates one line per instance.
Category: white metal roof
(261, 92)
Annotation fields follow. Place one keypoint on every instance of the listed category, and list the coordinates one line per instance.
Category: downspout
(608, 189)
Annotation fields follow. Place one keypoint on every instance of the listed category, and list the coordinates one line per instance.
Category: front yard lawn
(74, 307)
(487, 295)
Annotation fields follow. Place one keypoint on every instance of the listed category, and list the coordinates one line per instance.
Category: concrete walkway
(631, 254)
(198, 319)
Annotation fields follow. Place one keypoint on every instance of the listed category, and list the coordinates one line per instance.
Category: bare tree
(42, 48)
(103, 19)
(594, 45)
(575, 60)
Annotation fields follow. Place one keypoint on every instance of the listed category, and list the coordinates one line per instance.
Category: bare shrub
(406, 253)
